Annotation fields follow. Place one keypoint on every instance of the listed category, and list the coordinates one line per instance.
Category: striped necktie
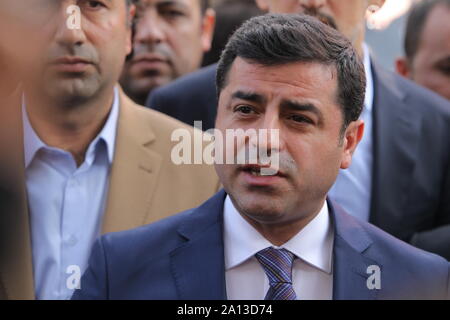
(277, 264)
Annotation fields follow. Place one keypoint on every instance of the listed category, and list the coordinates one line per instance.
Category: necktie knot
(277, 264)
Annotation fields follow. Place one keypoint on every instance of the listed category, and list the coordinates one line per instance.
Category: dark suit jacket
(189, 98)
(411, 172)
(182, 257)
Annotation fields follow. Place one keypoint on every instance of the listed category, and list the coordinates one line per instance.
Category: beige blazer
(145, 186)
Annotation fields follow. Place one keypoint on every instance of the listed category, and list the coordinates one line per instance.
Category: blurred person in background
(193, 97)
(385, 31)
(230, 14)
(92, 160)
(170, 39)
(14, 62)
(427, 46)
(13, 48)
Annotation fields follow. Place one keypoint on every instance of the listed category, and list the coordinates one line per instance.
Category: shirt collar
(368, 101)
(108, 133)
(32, 142)
(313, 244)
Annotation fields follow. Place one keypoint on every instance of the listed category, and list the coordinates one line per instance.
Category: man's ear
(403, 68)
(263, 5)
(352, 137)
(208, 24)
(130, 17)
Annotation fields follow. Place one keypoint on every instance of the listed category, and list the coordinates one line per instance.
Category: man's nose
(269, 134)
(312, 4)
(70, 33)
(150, 29)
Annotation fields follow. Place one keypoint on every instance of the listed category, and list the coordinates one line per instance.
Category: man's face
(300, 100)
(347, 15)
(170, 39)
(78, 63)
(431, 64)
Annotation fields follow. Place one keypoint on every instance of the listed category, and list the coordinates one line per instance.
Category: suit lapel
(350, 261)
(198, 265)
(134, 172)
(396, 130)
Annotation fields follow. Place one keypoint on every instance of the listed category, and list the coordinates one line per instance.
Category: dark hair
(277, 39)
(230, 15)
(416, 21)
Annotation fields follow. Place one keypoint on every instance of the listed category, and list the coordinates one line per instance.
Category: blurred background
(385, 31)
(385, 28)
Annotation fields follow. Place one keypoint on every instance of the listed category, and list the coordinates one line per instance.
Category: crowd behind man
(170, 39)
(427, 46)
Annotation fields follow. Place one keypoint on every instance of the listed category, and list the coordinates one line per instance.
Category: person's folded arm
(94, 283)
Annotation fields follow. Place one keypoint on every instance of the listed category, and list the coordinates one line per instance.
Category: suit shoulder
(160, 121)
(159, 238)
(396, 251)
(202, 79)
(416, 96)
(163, 127)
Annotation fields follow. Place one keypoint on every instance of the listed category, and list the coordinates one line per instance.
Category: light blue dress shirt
(353, 187)
(66, 205)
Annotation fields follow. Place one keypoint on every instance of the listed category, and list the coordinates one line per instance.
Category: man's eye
(95, 4)
(244, 109)
(301, 119)
(172, 13)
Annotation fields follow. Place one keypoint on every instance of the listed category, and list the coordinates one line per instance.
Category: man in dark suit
(400, 176)
(427, 46)
(272, 234)
(190, 98)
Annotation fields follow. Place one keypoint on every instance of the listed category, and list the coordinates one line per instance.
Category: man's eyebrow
(443, 61)
(159, 4)
(298, 106)
(249, 96)
(169, 3)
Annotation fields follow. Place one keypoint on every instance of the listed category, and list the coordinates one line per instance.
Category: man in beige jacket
(95, 162)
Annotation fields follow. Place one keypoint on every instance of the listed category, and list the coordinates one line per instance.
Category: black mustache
(161, 50)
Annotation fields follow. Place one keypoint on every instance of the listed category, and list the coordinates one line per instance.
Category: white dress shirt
(66, 205)
(312, 275)
(353, 187)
